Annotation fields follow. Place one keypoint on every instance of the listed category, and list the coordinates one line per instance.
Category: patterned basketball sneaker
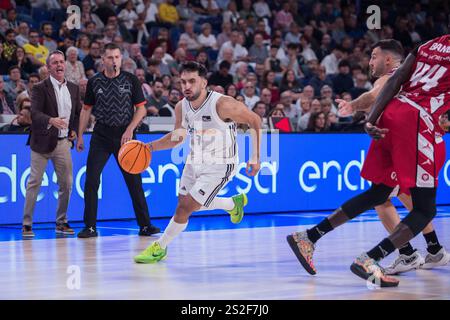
(441, 258)
(152, 254)
(303, 249)
(368, 269)
(405, 263)
(237, 213)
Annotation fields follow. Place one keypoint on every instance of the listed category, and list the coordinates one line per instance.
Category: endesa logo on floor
(299, 172)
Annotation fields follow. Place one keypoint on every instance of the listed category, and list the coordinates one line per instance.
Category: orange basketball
(134, 156)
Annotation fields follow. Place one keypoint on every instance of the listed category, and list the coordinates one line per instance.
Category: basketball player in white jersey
(210, 119)
(386, 57)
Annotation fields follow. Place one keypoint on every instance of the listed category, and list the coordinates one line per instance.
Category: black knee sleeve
(376, 195)
(424, 209)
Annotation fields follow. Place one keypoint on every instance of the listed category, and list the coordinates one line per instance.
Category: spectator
(222, 77)
(284, 18)
(320, 79)
(303, 121)
(15, 85)
(190, 37)
(260, 109)
(83, 44)
(158, 55)
(269, 83)
(179, 59)
(136, 55)
(148, 12)
(36, 52)
(185, 11)
(266, 97)
(231, 14)
(22, 37)
(343, 81)
(22, 122)
(153, 71)
(90, 60)
(317, 122)
(219, 89)
(146, 89)
(168, 13)
(262, 9)
(156, 100)
(206, 39)
(168, 110)
(291, 111)
(293, 36)
(289, 82)
(272, 63)
(21, 60)
(47, 37)
(360, 87)
(240, 98)
(210, 6)
(202, 57)
(277, 112)
(74, 67)
(32, 80)
(292, 60)
(331, 61)
(239, 52)
(231, 90)
(128, 15)
(307, 53)
(258, 52)
(43, 73)
(247, 9)
(10, 45)
(88, 16)
(250, 97)
(225, 35)
(6, 100)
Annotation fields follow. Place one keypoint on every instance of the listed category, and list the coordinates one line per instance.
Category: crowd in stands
(280, 58)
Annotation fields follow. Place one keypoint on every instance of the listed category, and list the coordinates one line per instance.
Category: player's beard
(194, 96)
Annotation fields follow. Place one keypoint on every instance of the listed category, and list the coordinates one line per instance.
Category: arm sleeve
(136, 92)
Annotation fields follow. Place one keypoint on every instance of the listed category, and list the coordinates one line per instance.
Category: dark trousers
(105, 141)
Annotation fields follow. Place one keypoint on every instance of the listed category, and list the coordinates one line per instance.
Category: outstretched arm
(364, 101)
(174, 138)
(230, 108)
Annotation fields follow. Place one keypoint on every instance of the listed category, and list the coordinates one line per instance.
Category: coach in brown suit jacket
(55, 110)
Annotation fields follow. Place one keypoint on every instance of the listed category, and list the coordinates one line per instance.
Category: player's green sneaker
(237, 213)
(152, 254)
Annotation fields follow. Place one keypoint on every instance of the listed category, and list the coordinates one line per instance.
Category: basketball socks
(220, 203)
(319, 231)
(432, 242)
(381, 250)
(407, 249)
(172, 230)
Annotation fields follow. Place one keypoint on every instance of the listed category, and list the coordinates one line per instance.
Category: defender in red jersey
(404, 154)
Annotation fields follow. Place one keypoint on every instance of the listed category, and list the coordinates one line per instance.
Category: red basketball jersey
(429, 83)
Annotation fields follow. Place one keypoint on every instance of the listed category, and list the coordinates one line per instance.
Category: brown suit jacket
(44, 107)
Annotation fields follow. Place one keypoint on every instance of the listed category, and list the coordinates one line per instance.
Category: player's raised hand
(375, 132)
(345, 108)
(252, 168)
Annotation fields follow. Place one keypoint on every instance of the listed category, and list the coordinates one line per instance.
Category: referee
(116, 100)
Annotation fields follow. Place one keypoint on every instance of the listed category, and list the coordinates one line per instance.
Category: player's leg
(409, 258)
(424, 210)
(233, 205)
(157, 251)
(303, 243)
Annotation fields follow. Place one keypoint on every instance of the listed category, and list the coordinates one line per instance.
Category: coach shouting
(116, 100)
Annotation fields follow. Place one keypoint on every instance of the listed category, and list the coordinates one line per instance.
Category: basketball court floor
(212, 260)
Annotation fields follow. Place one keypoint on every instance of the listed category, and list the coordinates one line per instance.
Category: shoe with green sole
(152, 254)
(237, 213)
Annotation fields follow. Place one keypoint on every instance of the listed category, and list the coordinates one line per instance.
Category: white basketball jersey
(213, 141)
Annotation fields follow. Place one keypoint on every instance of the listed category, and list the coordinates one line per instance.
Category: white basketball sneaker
(441, 258)
(405, 263)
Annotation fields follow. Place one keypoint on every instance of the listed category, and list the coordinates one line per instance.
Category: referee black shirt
(113, 99)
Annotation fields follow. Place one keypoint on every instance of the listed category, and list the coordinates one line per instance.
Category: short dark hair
(9, 31)
(111, 46)
(193, 66)
(158, 79)
(34, 75)
(390, 45)
(344, 63)
(12, 68)
(225, 64)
